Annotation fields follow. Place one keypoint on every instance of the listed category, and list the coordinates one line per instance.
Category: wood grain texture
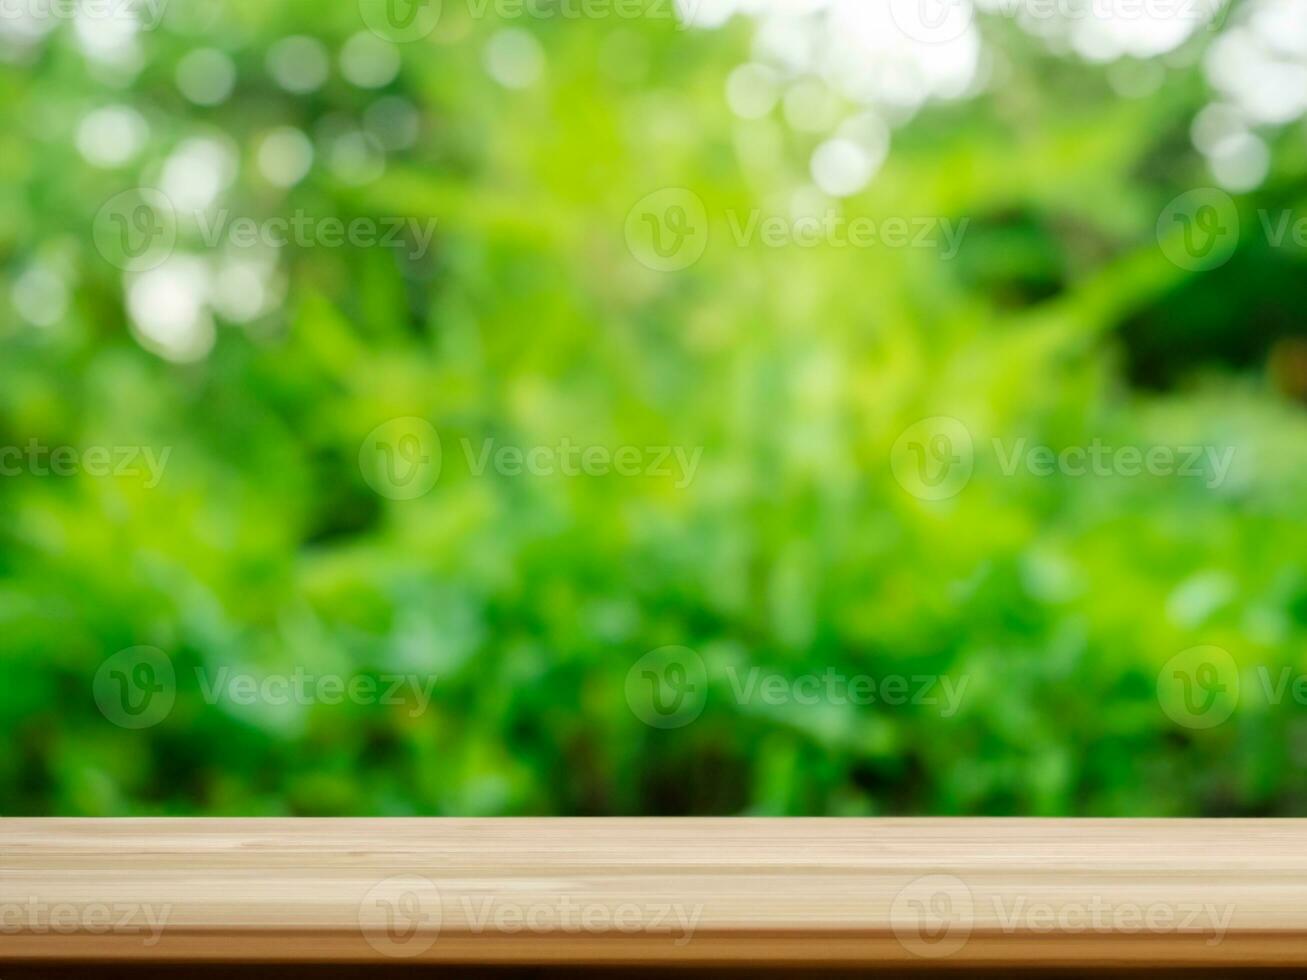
(656, 891)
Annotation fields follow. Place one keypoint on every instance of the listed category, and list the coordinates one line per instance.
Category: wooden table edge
(809, 892)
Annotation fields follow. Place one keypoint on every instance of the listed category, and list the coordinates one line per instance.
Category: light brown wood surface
(657, 891)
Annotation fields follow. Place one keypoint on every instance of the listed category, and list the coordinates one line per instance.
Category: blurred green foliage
(795, 370)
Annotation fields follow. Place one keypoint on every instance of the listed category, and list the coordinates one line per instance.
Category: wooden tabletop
(657, 891)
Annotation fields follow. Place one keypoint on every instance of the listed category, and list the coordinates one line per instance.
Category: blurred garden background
(633, 363)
